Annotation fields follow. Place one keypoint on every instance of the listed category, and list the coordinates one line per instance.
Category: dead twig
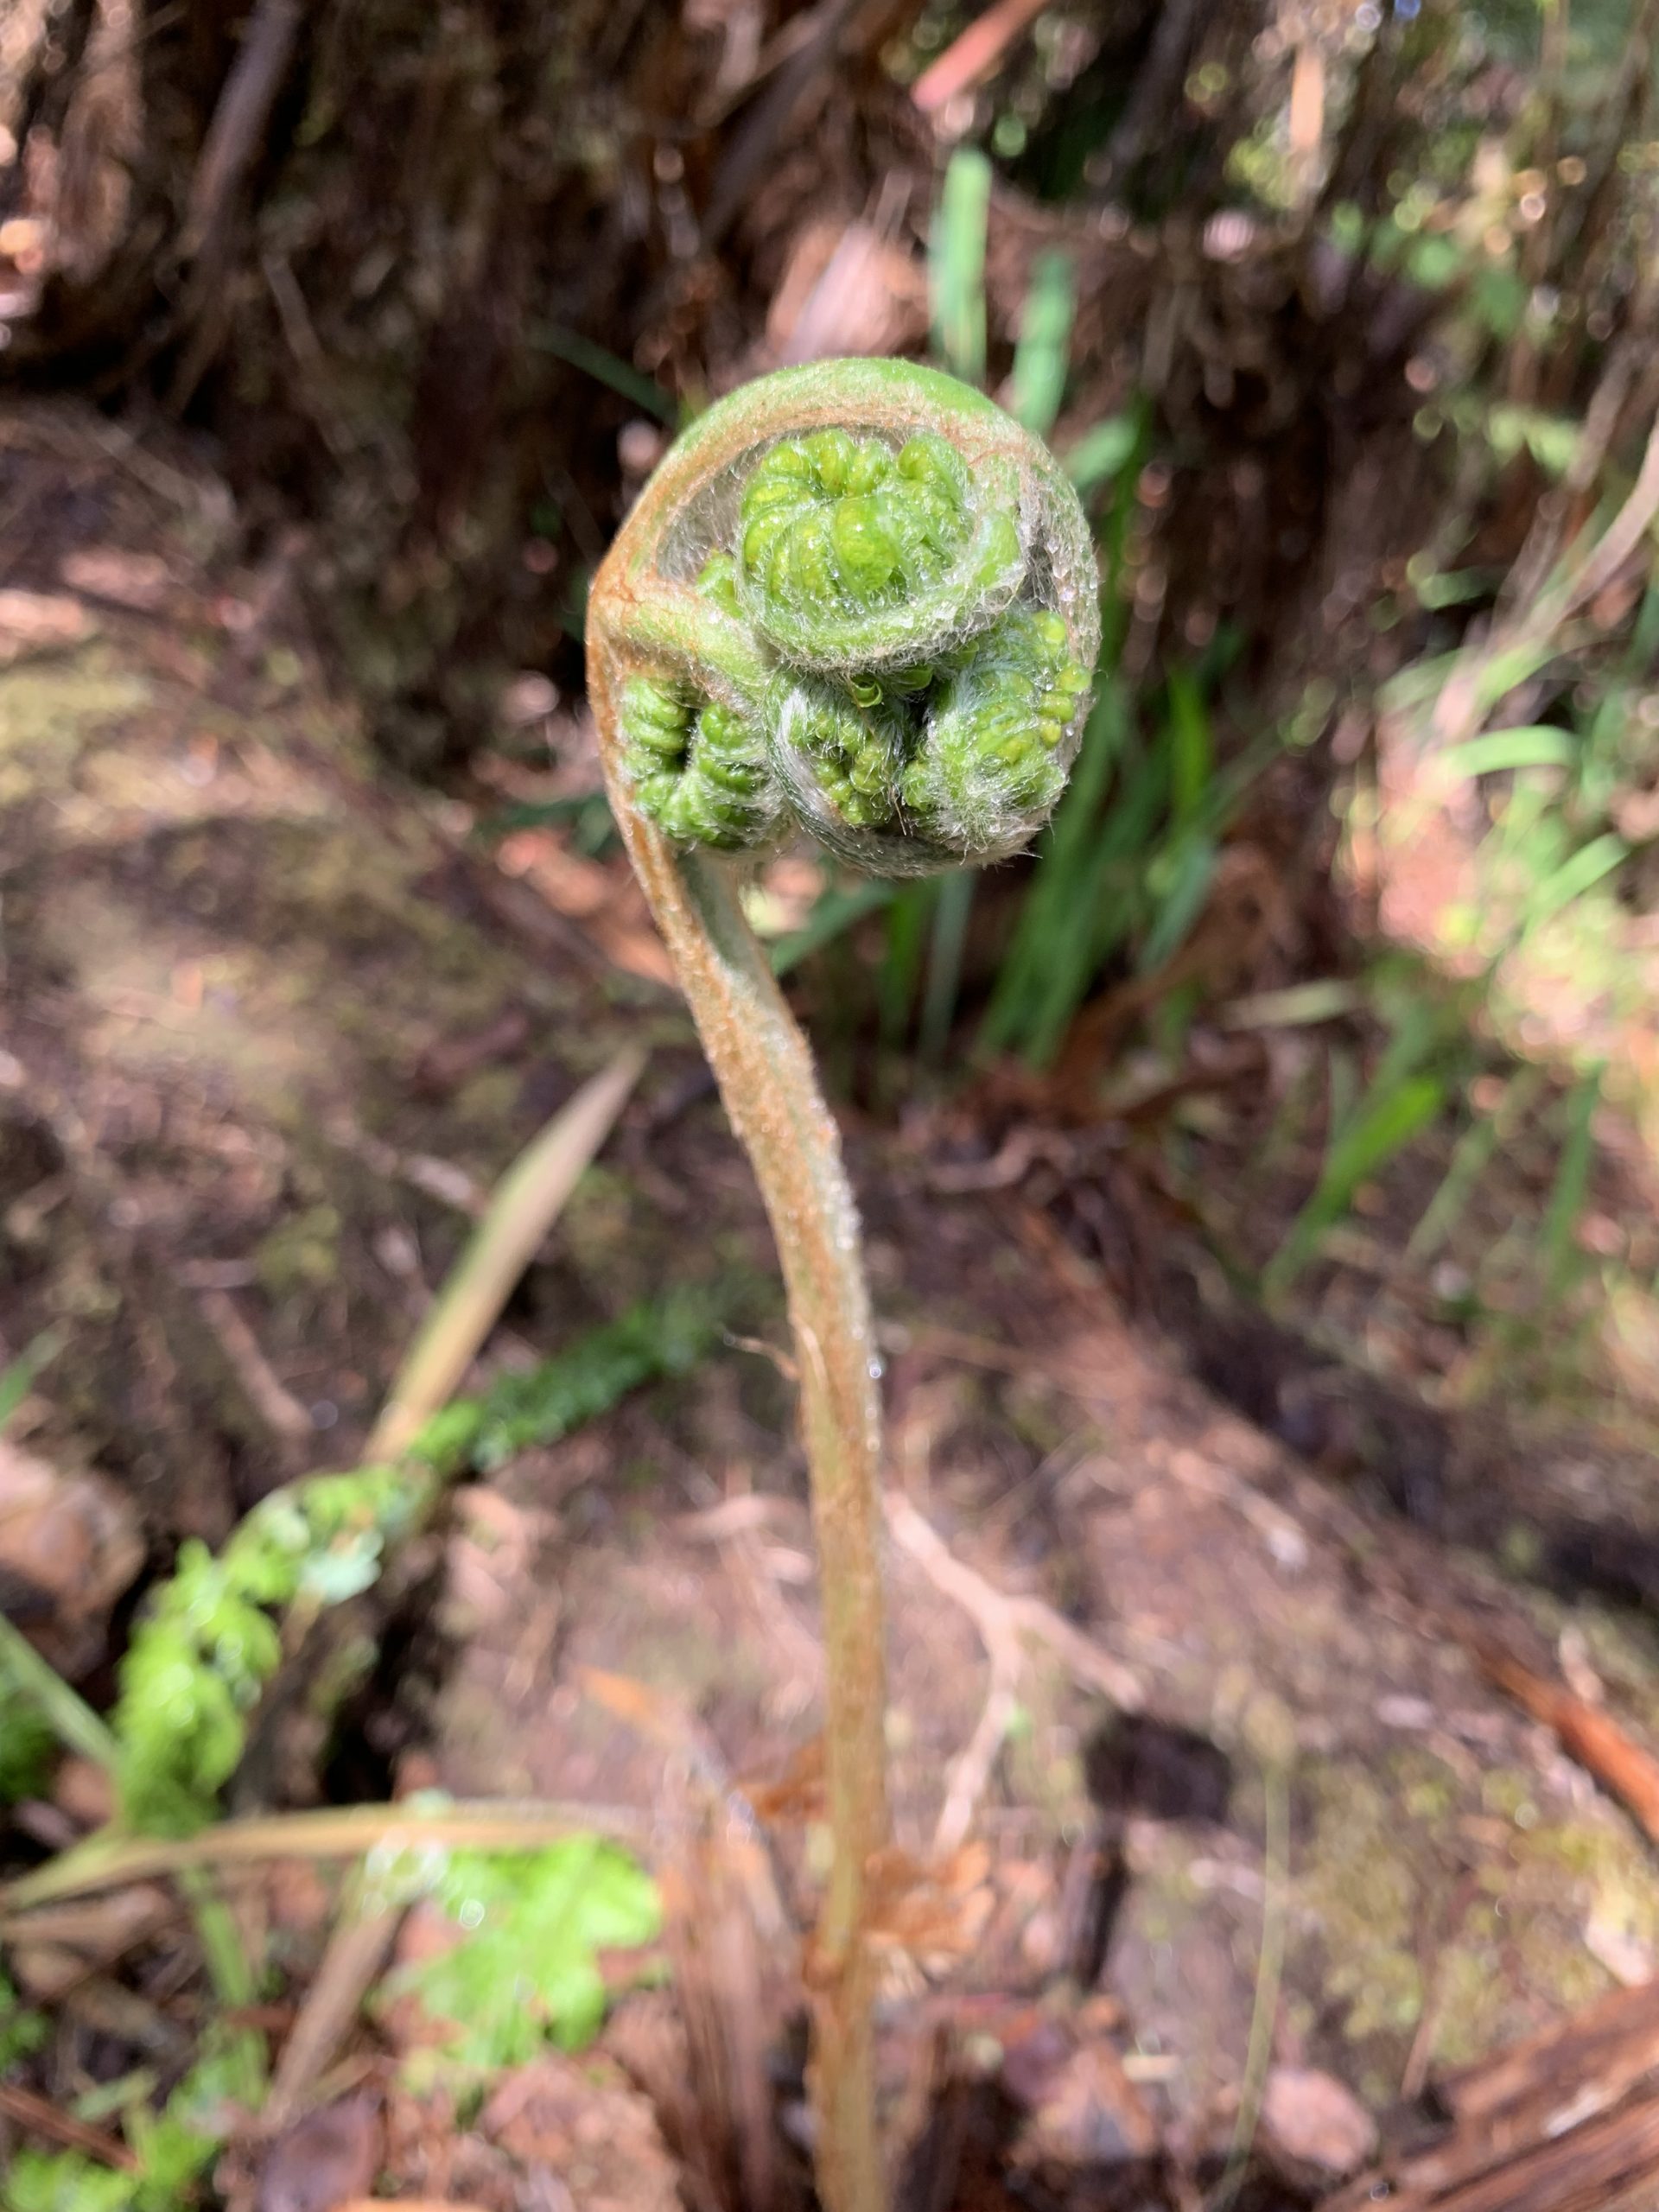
(1160, 75)
(973, 55)
(238, 129)
(282, 1412)
(754, 143)
(38, 2117)
(357, 1952)
(234, 138)
(109, 1861)
(1003, 1622)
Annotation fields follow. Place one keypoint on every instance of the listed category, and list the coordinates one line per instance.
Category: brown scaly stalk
(854, 600)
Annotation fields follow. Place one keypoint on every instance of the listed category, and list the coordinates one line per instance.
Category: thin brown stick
(276, 1405)
(1594, 1738)
(109, 1861)
(975, 53)
(357, 1952)
(237, 130)
(1003, 1621)
(38, 2117)
(1029, 1615)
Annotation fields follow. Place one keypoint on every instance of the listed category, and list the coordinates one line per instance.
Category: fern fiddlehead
(856, 600)
(889, 639)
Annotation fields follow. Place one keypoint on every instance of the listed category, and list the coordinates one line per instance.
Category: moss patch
(1411, 1888)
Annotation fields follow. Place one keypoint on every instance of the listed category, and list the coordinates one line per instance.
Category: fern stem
(857, 599)
(764, 1068)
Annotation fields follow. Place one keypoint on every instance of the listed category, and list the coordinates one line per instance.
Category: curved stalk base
(856, 598)
(764, 1068)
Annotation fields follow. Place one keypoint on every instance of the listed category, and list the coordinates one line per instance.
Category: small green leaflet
(526, 1971)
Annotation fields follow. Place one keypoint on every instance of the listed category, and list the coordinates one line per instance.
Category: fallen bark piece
(69, 1546)
(1591, 1737)
(1568, 2121)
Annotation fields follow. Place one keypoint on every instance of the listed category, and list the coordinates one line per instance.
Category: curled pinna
(857, 598)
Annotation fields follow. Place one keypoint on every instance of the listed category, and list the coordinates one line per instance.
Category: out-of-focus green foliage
(666, 1338)
(525, 1970)
(209, 1641)
(22, 2028)
(957, 265)
(28, 1743)
(173, 2149)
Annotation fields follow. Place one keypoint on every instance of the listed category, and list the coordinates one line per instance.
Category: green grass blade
(1645, 638)
(1041, 356)
(1102, 453)
(1536, 745)
(1573, 878)
(1387, 1119)
(1100, 901)
(1470, 1157)
(18, 1379)
(608, 368)
(1510, 666)
(950, 913)
(72, 1720)
(1059, 892)
(1180, 884)
(1191, 746)
(901, 959)
(957, 265)
(833, 913)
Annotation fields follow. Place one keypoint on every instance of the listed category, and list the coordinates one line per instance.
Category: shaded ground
(270, 1030)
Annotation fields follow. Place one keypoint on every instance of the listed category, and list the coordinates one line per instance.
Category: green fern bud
(699, 767)
(698, 764)
(993, 755)
(839, 751)
(851, 552)
(860, 600)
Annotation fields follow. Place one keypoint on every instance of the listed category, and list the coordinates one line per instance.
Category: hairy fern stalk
(854, 600)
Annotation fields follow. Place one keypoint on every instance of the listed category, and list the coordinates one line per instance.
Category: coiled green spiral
(699, 763)
(880, 628)
(845, 544)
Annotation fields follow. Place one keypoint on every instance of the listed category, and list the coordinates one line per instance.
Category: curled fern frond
(698, 763)
(700, 767)
(859, 600)
(852, 555)
(995, 752)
